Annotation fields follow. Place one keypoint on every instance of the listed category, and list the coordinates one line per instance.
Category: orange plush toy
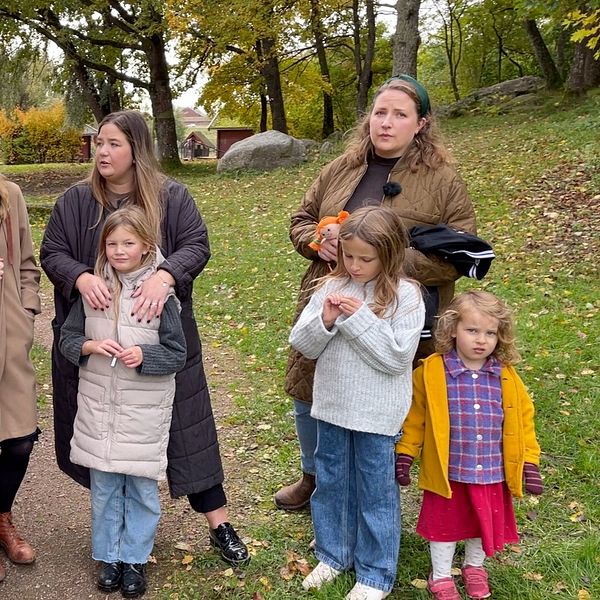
(327, 229)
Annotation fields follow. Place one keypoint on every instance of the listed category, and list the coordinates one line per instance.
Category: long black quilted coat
(68, 250)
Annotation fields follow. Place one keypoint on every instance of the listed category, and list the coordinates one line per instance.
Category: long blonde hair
(427, 146)
(148, 179)
(133, 219)
(488, 304)
(382, 228)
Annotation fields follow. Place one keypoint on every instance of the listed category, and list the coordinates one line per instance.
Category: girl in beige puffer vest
(124, 404)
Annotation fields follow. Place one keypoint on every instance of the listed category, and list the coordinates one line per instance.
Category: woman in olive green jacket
(397, 159)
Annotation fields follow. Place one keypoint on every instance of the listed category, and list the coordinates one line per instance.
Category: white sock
(442, 554)
(474, 553)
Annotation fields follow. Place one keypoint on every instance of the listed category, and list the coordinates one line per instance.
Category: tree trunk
(264, 112)
(561, 46)
(575, 81)
(543, 56)
(317, 29)
(270, 71)
(364, 67)
(591, 73)
(406, 40)
(162, 102)
(90, 93)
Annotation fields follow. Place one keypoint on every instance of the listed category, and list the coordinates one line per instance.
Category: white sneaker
(363, 592)
(321, 574)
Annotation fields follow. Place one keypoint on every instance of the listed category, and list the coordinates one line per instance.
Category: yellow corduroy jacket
(426, 431)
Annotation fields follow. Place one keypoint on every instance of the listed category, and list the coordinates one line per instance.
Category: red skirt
(474, 511)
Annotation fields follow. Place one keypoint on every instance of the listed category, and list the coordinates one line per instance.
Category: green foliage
(26, 75)
(587, 28)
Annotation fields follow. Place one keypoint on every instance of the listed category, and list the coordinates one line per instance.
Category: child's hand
(349, 305)
(403, 462)
(132, 357)
(106, 347)
(533, 479)
(331, 310)
(1, 267)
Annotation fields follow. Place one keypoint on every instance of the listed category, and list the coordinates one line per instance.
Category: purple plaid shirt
(476, 415)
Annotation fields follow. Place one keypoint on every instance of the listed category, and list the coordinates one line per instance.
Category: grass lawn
(535, 180)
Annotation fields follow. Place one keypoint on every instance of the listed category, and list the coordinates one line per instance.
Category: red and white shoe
(476, 582)
(443, 589)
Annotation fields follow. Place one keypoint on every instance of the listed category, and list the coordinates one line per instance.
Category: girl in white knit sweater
(362, 325)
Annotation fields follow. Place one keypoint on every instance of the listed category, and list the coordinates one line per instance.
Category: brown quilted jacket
(428, 197)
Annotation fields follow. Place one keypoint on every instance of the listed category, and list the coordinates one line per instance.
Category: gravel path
(53, 514)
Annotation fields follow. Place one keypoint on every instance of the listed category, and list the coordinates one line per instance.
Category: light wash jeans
(125, 514)
(306, 430)
(356, 506)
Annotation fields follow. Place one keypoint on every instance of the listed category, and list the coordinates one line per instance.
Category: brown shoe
(297, 495)
(16, 548)
(2, 571)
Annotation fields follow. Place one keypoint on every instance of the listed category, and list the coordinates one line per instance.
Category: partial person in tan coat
(19, 303)
(396, 158)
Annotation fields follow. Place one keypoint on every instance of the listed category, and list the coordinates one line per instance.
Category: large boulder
(501, 96)
(262, 152)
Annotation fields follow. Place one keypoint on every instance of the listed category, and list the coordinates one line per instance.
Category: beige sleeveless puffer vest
(123, 418)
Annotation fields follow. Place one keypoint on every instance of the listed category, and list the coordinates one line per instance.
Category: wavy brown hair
(427, 148)
(148, 179)
(488, 304)
(382, 228)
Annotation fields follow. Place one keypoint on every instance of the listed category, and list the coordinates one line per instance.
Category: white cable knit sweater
(363, 377)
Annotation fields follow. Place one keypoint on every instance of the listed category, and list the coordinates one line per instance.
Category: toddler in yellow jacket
(471, 423)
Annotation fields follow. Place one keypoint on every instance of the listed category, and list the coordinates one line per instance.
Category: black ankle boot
(233, 550)
(109, 576)
(133, 583)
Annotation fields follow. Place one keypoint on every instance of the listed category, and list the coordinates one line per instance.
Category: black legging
(208, 500)
(14, 458)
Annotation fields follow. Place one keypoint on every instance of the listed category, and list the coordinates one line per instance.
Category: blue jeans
(125, 514)
(356, 505)
(306, 430)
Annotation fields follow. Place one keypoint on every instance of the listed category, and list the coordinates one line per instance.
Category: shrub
(38, 135)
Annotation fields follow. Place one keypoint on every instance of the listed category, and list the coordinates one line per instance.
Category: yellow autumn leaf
(533, 576)
(583, 595)
(420, 584)
(187, 559)
(183, 546)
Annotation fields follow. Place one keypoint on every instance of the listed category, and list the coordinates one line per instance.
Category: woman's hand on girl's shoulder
(151, 297)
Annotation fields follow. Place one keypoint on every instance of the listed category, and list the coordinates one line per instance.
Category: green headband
(419, 89)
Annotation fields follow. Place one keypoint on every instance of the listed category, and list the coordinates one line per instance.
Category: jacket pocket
(92, 411)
